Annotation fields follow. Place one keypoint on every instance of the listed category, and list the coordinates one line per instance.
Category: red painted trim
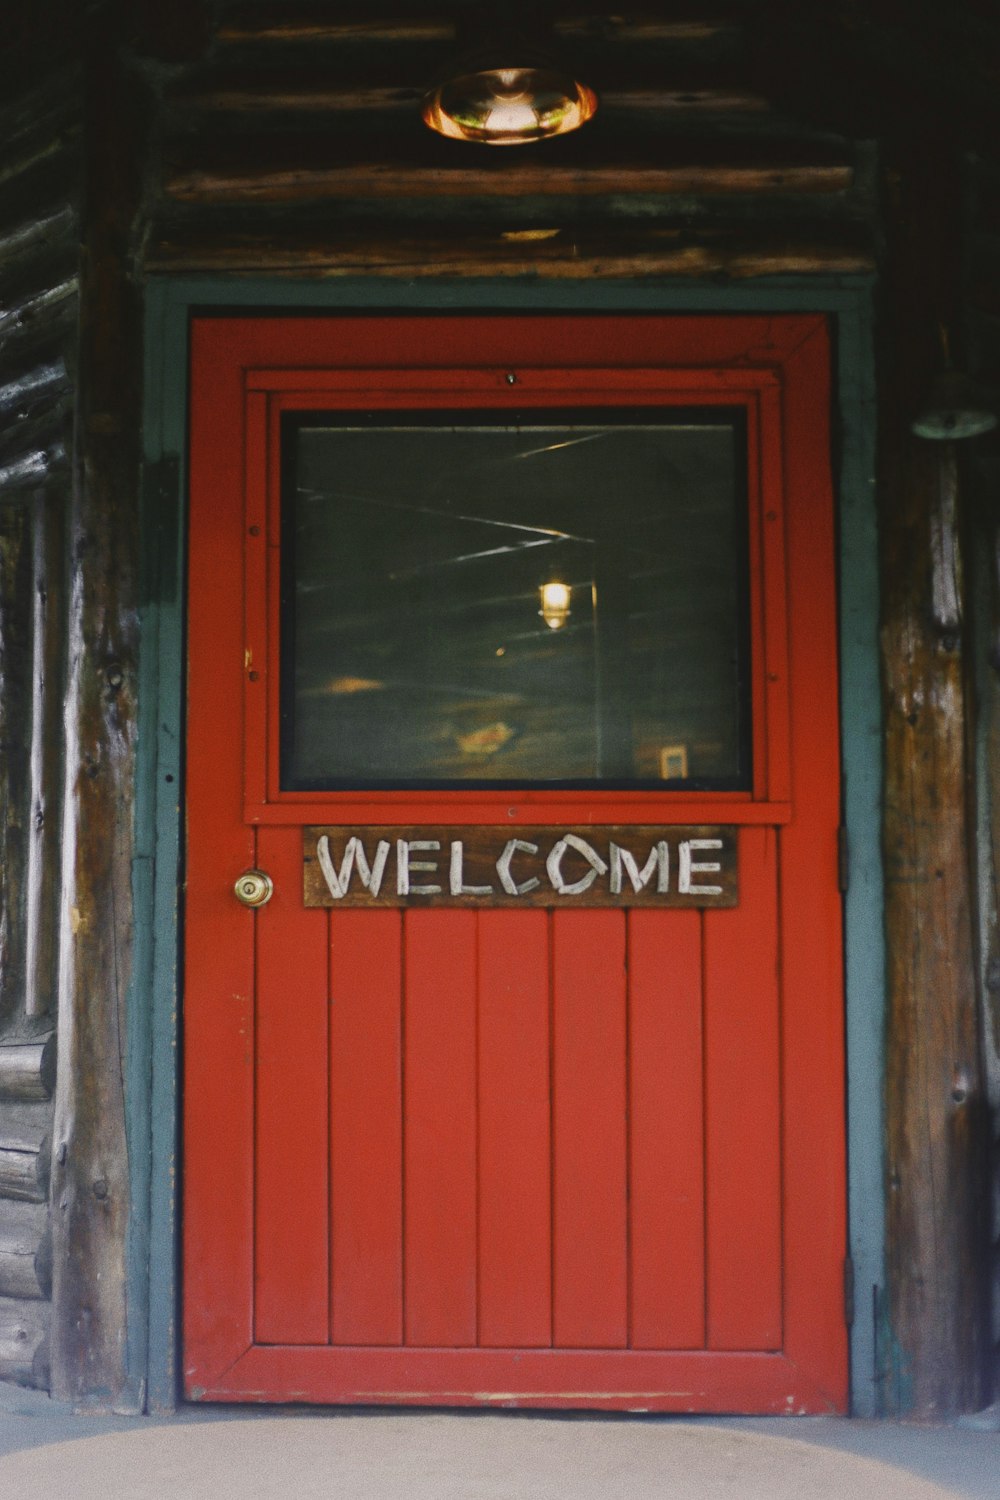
(771, 1384)
(257, 661)
(518, 806)
(218, 1002)
(815, 1191)
(337, 389)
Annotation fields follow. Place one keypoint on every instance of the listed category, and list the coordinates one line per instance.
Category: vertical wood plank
(366, 1126)
(515, 1244)
(666, 1148)
(590, 1295)
(742, 1107)
(290, 1210)
(439, 1128)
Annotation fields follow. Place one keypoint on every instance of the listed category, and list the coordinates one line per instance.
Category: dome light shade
(508, 106)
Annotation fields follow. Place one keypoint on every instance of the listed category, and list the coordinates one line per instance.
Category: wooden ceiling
(291, 138)
(733, 139)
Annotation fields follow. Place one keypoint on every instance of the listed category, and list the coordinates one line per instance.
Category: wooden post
(90, 1161)
(15, 659)
(935, 1105)
(43, 844)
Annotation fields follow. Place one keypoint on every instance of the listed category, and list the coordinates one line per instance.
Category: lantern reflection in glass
(555, 604)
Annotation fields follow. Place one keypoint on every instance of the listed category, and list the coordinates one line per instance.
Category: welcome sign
(658, 865)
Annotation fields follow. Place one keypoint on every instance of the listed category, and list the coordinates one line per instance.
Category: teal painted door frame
(155, 994)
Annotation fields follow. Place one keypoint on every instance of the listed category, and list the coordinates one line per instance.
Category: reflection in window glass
(471, 600)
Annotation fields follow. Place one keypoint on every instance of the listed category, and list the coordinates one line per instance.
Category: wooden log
(34, 154)
(28, 240)
(289, 97)
(38, 427)
(25, 1175)
(295, 179)
(30, 470)
(90, 1161)
(43, 382)
(24, 1334)
(44, 855)
(937, 1177)
(49, 183)
(608, 27)
(28, 1070)
(305, 23)
(316, 23)
(56, 304)
(565, 254)
(383, 84)
(15, 674)
(25, 1250)
(24, 1127)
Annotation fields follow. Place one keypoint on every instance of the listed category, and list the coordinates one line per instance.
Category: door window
(492, 598)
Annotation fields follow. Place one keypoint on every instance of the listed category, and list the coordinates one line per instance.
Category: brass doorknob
(254, 888)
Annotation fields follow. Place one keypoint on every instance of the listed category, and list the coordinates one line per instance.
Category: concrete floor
(222, 1454)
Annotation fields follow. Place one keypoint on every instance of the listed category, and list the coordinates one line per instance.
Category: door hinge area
(848, 1291)
(843, 860)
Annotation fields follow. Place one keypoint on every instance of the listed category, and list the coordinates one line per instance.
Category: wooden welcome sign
(504, 866)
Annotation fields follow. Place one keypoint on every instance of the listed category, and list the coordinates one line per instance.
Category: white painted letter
(554, 862)
(659, 860)
(354, 858)
(455, 876)
(687, 869)
(507, 880)
(404, 864)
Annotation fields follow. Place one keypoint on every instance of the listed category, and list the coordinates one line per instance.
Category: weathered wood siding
(40, 125)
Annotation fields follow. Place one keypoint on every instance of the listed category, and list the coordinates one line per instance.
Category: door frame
(152, 1075)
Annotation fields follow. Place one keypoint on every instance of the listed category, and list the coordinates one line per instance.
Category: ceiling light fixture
(954, 410)
(507, 91)
(954, 407)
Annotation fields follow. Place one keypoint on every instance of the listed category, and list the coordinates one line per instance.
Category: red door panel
(530, 1157)
(515, 1131)
(666, 1131)
(366, 1127)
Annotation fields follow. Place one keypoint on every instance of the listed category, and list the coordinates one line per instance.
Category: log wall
(41, 126)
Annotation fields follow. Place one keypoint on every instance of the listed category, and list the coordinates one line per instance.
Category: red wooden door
(540, 1157)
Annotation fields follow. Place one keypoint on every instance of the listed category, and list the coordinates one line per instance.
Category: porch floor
(219, 1453)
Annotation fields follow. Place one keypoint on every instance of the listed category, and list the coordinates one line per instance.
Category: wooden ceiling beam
(291, 96)
(390, 24)
(389, 179)
(329, 24)
(568, 254)
(285, 172)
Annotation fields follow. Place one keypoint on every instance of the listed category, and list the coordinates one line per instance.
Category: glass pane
(423, 640)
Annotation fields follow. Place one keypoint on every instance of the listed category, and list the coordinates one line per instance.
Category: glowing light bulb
(555, 604)
(508, 106)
